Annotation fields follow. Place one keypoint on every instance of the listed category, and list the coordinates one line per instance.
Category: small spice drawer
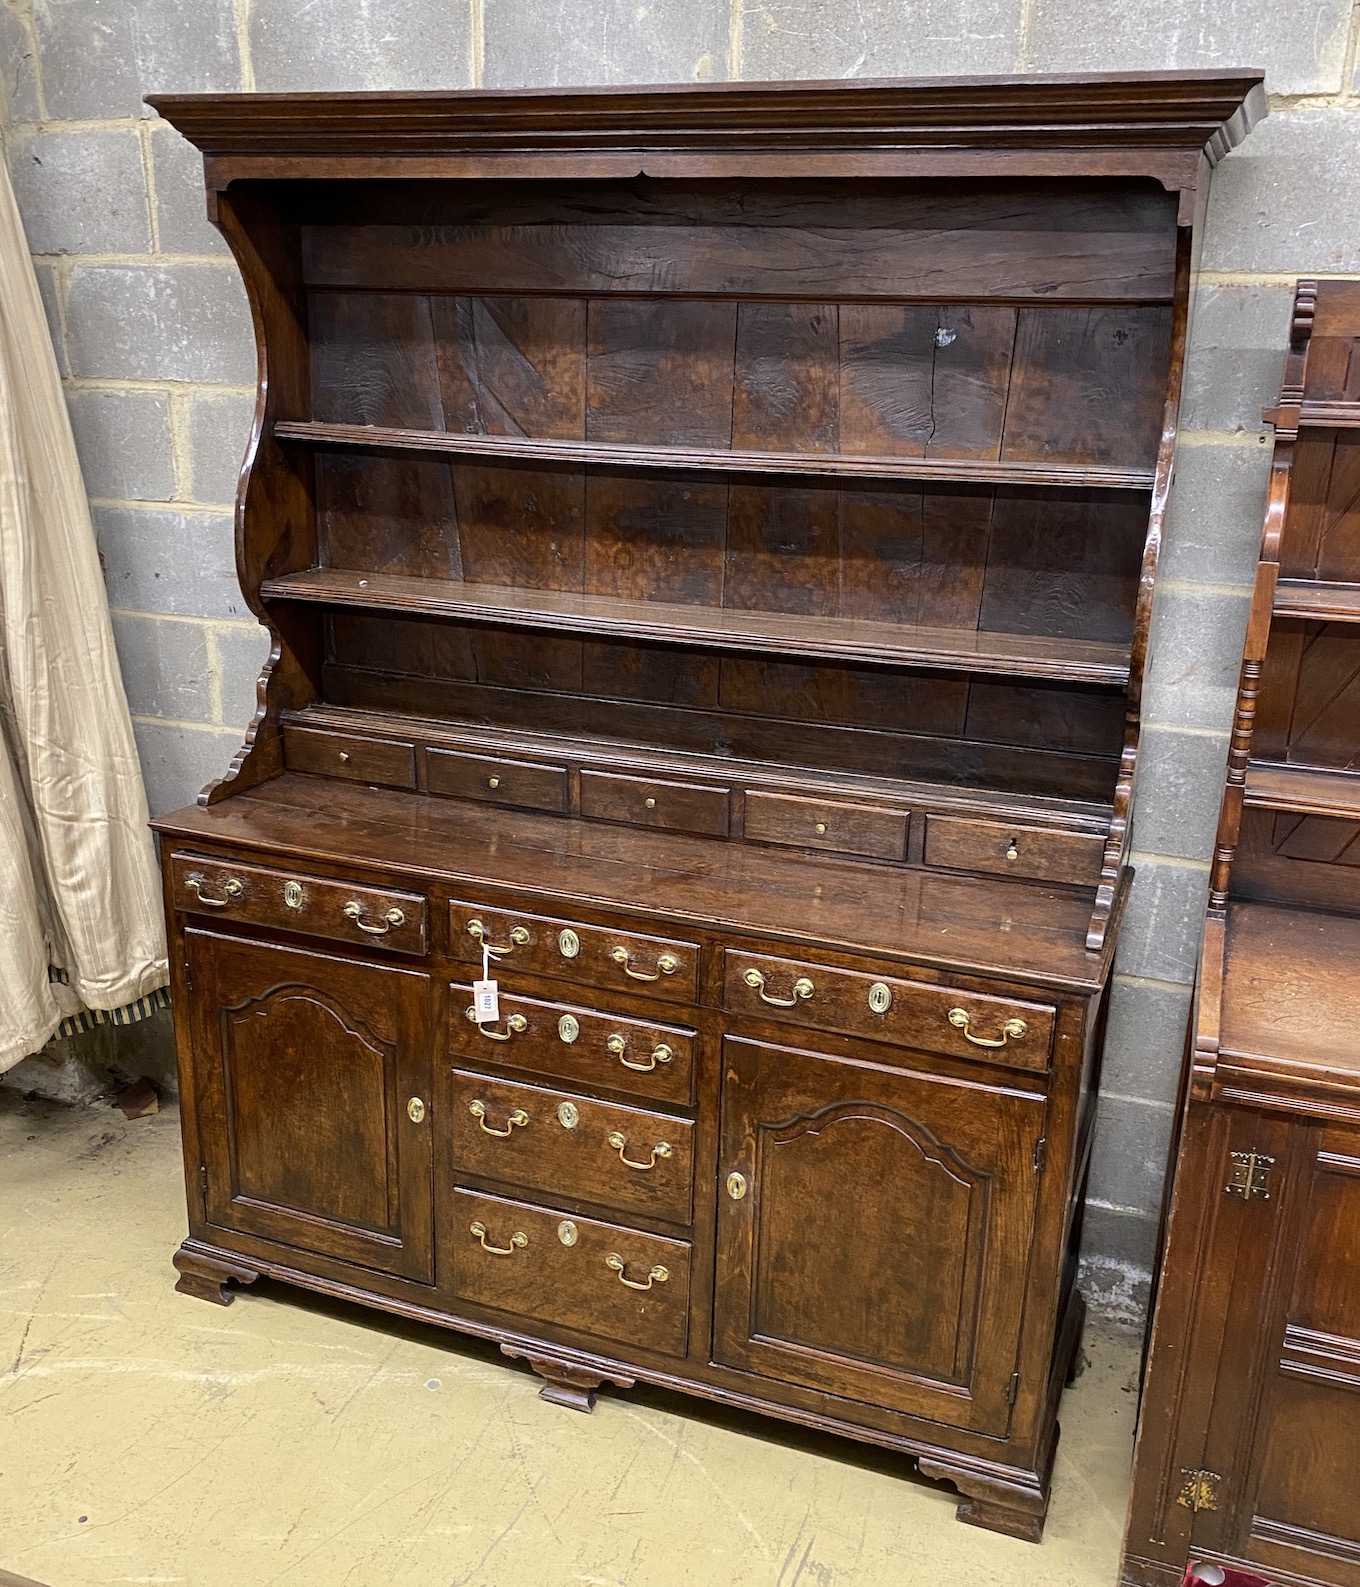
(556, 1142)
(1034, 853)
(938, 1019)
(651, 802)
(548, 1266)
(578, 1044)
(527, 785)
(870, 830)
(315, 906)
(385, 761)
(593, 955)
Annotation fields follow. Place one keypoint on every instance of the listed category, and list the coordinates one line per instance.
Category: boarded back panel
(513, 366)
(930, 240)
(373, 360)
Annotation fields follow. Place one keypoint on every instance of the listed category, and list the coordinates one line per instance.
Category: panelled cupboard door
(313, 1080)
(1302, 1512)
(874, 1230)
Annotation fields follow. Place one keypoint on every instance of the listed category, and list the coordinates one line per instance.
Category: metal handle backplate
(519, 936)
(231, 890)
(518, 1240)
(802, 988)
(615, 1263)
(667, 964)
(354, 911)
(1012, 1030)
(517, 1120)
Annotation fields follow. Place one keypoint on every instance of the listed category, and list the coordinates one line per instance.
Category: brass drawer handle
(517, 1120)
(619, 1141)
(515, 1023)
(354, 911)
(667, 964)
(658, 1275)
(661, 1054)
(802, 987)
(519, 935)
(518, 1240)
(1012, 1030)
(231, 888)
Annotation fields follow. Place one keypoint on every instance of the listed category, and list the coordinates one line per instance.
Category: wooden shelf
(1329, 415)
(1307, 790)
(514, 448)
(779, 633)
(1316, 598)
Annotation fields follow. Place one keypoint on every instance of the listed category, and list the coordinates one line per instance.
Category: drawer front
(562, 1144)
(1028, 852)
(1003, 1030)
(821, 824)
(545, 1266)
(594, 955)
(373, 760)
(649, 802)
(525, 784)
(578, 1044)
(316, 906)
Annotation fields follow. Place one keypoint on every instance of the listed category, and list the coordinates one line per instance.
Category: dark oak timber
(707, 536)
(1249, 1437)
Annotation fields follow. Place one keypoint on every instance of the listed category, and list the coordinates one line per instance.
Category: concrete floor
(147, 1437)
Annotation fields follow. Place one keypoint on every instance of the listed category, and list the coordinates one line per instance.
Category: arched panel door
(305, 1065)
(878, 1242)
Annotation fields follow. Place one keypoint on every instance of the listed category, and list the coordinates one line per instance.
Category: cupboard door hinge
(203, 1179)
(1012, 1388)
(1249, 1176)
(1040, 1153)
(1199, 1490)
(188, 976)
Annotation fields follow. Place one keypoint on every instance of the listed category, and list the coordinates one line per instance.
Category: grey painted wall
(153, 335)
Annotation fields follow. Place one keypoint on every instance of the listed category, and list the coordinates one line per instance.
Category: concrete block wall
(154, 340)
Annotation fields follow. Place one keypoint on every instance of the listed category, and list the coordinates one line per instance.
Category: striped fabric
(78, 885)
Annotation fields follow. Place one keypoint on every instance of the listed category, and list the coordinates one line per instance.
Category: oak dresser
(1249, 1437)
(707, 536)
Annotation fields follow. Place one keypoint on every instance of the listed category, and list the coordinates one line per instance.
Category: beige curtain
(80, 918)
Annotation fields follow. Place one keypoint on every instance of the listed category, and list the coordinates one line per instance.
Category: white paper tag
(486, 1002)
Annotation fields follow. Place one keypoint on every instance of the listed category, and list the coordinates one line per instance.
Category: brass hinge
(1012, 1388)
(188, 976)
(1250, 1176)
(1199, 1491)
(1040, 1154)
(203, 1179)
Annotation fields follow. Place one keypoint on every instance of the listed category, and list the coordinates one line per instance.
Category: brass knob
(1013, 852)
(415, 1110)
(820, 828)
(344, 755)
(650, 803)
(493, 782)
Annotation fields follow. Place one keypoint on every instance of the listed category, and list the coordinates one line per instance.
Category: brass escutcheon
(415, 1110)
(568, 1115)
(567, 1232)
(568, 943)
(880, 997)
(736, 1185)
(569, 1027)
(292, 894)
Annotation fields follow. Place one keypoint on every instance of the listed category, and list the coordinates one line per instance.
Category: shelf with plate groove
(1317, 599)
(714, 628)
(1303, 790)
(613, 454)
